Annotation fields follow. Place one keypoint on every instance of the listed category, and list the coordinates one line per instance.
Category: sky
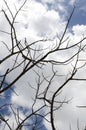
(44, 19)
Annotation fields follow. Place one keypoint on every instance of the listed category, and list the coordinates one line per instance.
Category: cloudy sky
(45, 19)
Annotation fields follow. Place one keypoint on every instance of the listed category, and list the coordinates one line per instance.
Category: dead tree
(28, 56)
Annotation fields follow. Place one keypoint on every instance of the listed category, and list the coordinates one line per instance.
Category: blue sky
(79, 16)
(44, 19)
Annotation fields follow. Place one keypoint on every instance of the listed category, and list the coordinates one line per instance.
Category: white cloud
(48, 1)
(79, 30)
(72, 2)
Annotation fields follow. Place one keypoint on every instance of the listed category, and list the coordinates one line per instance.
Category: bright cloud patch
(79, 30)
